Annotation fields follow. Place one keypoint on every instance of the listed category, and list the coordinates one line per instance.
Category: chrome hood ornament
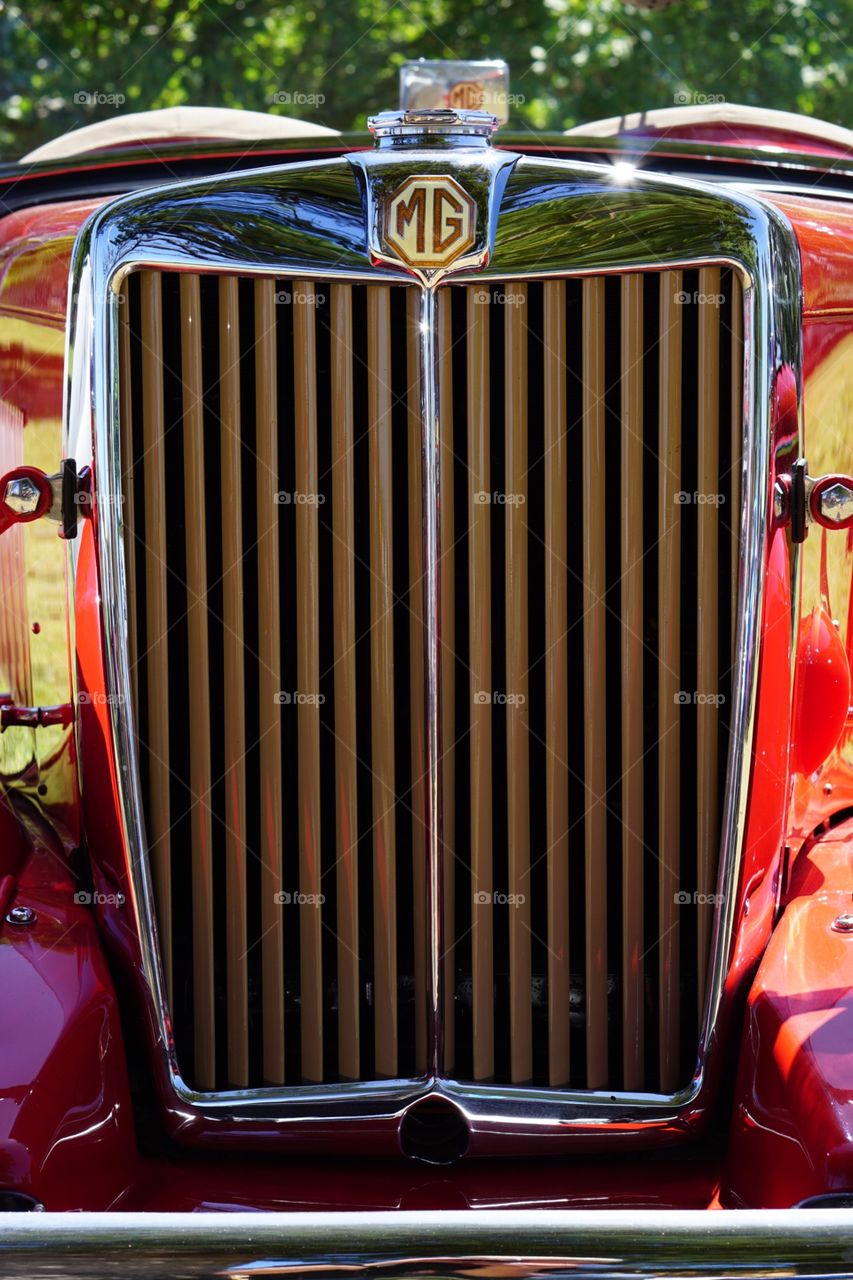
(432, 188)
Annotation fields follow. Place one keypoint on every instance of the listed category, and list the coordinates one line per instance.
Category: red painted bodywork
(66, 1122)
(67, 1131)
(792, 1129)
(823, 680)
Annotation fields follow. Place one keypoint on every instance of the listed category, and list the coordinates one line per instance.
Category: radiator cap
(443, 126)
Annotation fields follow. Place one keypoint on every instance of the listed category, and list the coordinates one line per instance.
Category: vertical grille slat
(127, 450)
(231, 469)
(707, 680)
(632, 628)
(448, 671)
(669, 684)
(382, 680)
(416, 661)
(201, 774)
(269, 684)
(594, 677)
(308, 677)
(556, 682)
(480, 667)
(346, 746)
(517, 665)
(157, 624)
(736, 440)
(275, 561)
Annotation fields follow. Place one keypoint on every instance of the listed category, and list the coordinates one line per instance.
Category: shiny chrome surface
(448, 1245)
(22, 496)
(834, 503)
(435, 125)
(556, 220)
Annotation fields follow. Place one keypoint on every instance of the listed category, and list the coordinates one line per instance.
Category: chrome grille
(592, 441)
(272, 520)
(278, 650)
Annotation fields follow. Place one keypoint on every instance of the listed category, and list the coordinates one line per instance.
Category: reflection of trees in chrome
(553, 223)
(319, 219)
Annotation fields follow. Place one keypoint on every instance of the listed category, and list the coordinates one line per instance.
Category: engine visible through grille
(274, 549)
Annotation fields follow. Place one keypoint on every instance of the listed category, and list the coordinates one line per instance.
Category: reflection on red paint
(822, 692)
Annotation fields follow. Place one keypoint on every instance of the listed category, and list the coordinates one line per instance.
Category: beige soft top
(719, 114)
(151, 127)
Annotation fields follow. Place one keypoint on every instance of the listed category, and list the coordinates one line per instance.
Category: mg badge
(429, 221)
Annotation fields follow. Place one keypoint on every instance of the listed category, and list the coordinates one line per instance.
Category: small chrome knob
(21, 916)
(843, 923)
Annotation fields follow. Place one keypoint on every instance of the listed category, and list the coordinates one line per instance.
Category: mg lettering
(430, 221)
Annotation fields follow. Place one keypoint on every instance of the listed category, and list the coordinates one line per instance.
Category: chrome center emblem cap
(432, 126)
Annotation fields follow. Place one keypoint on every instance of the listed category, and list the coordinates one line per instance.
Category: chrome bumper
(474, 1245)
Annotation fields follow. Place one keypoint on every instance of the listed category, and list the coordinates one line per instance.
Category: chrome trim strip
(306, 221)
(465, 1244)
(431, 443)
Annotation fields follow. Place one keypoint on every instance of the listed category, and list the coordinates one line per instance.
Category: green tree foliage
(66, 63)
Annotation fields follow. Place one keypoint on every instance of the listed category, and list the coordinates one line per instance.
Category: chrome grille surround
(556, 220)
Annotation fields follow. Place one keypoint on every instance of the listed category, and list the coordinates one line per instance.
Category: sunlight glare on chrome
(623, 172)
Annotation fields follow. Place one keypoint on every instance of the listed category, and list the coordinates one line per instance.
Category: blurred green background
(66, 63)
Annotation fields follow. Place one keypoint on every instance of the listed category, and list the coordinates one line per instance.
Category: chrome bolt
(836, 503)
(827, 788)
(22, 916)
(22, 496)
(843, 923)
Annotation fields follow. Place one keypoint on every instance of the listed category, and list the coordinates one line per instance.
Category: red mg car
(425, 651)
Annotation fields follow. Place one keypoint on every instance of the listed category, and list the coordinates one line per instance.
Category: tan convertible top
(717, 114)
(141, 127)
